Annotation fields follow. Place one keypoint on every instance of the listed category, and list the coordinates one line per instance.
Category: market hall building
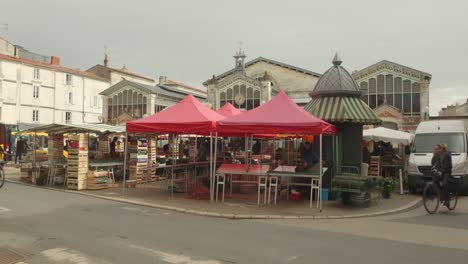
(128, 100)
(397, 93)
(253, 83)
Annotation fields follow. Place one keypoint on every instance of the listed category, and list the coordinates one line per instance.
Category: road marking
(4, 209)
(172, 258)
(69, 256)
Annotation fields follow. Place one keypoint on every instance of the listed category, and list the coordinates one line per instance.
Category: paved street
(56, 227)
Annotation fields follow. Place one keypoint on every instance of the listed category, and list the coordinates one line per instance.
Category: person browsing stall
(112, 147)
(309, 157)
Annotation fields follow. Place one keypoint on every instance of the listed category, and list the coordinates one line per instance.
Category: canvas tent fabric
(76, 128)
(388, 135)
(340, 109)
(279, 115)
(228, 110)
(189, 116)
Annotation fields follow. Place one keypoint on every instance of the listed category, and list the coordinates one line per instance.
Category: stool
(220, 180)
(315, 187)
(262, 182)
(110, 173)
(273, 183)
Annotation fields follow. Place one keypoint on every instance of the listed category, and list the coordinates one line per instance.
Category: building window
(1, 114)
(35, 91)
(127, 101)
(70, 98)
(37, 75)
(95, 101)
(68, 79)
(35, 116)
(159, 108)
(68, 117)
(241, 97)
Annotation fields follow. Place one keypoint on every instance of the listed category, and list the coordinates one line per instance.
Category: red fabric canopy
(189, 116)
(280, 115)
(228, 110)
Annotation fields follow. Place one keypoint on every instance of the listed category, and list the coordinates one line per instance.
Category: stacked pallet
(152, 150)
(55, 152)
(103, 147)
(97, 180)
(77, 161)
(55, 147)
(26, 173)
(138, 151)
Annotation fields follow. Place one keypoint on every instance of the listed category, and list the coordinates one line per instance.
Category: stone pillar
(424, 99)
(152, 103)
(265, 92)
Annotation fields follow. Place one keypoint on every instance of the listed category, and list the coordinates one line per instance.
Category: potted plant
(388, 186)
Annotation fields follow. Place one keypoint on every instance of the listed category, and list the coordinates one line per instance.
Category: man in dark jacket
(442, 162)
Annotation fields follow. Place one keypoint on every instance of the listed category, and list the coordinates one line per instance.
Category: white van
(428, 134)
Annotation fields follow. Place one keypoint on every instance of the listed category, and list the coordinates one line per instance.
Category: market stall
(189, 117)
(68, 160)
(279, 116)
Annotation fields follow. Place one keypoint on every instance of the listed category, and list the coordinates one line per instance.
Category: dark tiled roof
(336, 81)
(166, 90)
(53, 67)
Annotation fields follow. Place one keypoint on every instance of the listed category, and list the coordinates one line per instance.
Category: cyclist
(442, 163)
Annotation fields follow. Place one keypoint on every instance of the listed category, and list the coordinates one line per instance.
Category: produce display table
(260, 171)
(109, 164)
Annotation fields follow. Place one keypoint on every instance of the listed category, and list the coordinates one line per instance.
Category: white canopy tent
(388, 135)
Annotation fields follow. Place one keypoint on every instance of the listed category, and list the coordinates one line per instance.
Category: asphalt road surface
(56, 227)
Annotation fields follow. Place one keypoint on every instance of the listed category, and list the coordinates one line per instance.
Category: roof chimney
(162, 79)
(54, 60)
(106, 60)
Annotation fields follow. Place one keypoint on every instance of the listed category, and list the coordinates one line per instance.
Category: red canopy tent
(228, 110)
(189, 116)
(279, 115)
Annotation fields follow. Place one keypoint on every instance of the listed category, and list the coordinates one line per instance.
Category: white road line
(172, 258)
(4, 209)
(69, 256)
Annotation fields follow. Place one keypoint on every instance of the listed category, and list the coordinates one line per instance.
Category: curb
(408, 207)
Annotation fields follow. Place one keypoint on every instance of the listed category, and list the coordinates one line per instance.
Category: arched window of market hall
(240, 96)
(130, 102)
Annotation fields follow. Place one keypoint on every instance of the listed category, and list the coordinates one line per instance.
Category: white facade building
(34, 92)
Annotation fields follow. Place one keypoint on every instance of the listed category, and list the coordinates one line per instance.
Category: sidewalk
(238, 207)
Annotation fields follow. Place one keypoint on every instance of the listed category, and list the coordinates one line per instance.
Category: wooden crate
(74, 184)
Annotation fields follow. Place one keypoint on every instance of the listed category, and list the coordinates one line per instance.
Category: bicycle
(2, 173)
(432, 195)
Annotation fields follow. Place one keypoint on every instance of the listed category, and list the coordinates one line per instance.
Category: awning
(388, 135)
(77, 128)
(342, 109)
(228, 110)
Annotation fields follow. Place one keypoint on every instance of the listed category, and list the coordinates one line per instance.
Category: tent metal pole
(321, 171)
(211, 169)
(214, 158)
(125, 160)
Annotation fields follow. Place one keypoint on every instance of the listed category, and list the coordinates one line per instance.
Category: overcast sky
(190, 40)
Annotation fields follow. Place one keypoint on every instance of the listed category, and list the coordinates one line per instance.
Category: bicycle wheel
(453, 200)
(431, 198)
(2, 177)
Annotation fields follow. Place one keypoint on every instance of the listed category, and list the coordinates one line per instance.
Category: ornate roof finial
(239, 59)
(337, 60)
